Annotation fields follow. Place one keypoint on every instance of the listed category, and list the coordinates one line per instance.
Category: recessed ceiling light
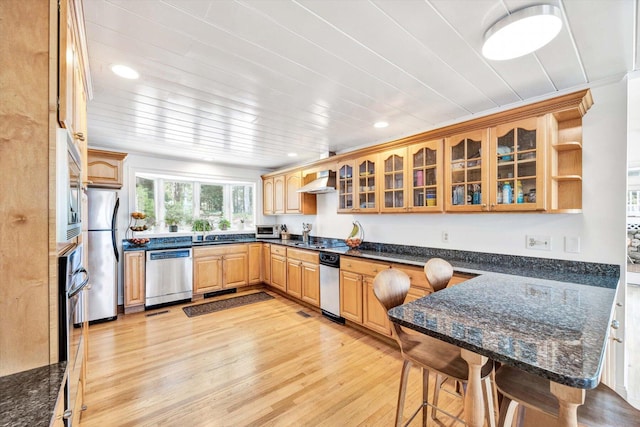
(380, 125)
(522, 32)
(207, 159)
(125, 72)
(292, 154)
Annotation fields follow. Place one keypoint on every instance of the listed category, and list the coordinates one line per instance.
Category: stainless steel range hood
(325, 182)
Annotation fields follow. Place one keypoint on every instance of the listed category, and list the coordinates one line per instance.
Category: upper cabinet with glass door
(518, 165)
(357, 185)
(393, 182)
(466, 172)
(425, 177)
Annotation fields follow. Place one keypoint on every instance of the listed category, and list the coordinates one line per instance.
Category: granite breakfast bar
(551, 328)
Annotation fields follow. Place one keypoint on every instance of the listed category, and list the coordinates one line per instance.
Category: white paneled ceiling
(246, 82)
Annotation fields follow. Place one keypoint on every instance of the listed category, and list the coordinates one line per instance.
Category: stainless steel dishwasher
(169, 275)
(330, 286)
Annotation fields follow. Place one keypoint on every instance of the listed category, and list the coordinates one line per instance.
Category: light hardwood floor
(263, 364)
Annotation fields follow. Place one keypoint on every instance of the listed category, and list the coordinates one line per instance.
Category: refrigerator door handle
(113, 229)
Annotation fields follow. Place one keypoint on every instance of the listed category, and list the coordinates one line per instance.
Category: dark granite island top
(29, 398)
(554, 329)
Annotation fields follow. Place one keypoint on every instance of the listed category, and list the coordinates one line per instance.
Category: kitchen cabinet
(266, 263)
(393, 182)
(518, 151)
(565, 164)
(357, 301)
(279, 267)
(303, 275)
(73, 79)
(220, 267)
(134, 281)
(426, 175)
(268, 196)
(351, 296)
(104, 168)
(357, 180)
(500, 169)
(254, 263)
(207, 272)
(467, 172)
(280, 194)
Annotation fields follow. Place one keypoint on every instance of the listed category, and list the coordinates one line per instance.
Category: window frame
(159, 178)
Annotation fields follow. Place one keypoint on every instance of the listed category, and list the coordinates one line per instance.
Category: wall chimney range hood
(325, 182)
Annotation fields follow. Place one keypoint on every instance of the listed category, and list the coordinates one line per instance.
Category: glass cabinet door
(466, 174)
(393, 180)
(517, 149)
(345, 187)
(425, 171)
(366, 168)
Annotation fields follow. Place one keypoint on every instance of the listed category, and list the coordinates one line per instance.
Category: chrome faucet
(306, 229)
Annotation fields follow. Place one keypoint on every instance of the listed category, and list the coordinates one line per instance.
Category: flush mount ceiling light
(292, 154)
(522, 32)
(125, 72)
(380, 125)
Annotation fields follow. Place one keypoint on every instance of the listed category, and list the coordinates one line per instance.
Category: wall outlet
(542, 243)
(445, 236)
(572, 244)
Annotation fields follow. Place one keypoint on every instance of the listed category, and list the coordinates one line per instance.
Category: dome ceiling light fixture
(524, 31)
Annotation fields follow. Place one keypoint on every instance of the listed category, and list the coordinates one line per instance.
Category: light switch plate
(541, 243)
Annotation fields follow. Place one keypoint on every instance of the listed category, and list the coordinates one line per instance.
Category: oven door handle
(74, 291)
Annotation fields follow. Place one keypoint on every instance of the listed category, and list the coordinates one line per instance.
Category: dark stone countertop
(28, 398)
(554, 329)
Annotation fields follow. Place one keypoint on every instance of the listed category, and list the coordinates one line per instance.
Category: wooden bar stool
(430, 354)
(602, 406)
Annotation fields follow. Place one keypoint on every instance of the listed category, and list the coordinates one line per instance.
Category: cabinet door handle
(616, 339)
(67, 414)
(79, 136)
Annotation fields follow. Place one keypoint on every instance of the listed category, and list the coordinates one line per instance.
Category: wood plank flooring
(263, 364)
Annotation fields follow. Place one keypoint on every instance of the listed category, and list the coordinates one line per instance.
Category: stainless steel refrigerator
(103, 254)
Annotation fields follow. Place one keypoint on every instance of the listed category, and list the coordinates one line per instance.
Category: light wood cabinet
(564, 193)
(518, 151)
(303, 275)
(266, 263)
(104, 168)
(351, 296)
(280, 194)
(467, 172)
(500, 169)
(220, 267)
(425, 176)
(268, 196)
(374, 315)
(134, 281)
(207, 272)
(255, 263)
(357, 300)
(73, 81)
(279, 267)
(393, 181)
(357, 185)
(294, 278)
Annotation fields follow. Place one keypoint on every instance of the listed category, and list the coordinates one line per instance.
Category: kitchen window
(168, 200)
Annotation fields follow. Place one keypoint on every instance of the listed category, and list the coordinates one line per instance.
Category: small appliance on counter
(269, 231)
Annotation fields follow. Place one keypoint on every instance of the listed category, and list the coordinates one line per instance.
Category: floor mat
(210, 307)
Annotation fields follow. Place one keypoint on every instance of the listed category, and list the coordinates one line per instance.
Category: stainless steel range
(330, 286)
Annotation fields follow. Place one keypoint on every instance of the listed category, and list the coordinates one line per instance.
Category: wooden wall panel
(24, 200)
